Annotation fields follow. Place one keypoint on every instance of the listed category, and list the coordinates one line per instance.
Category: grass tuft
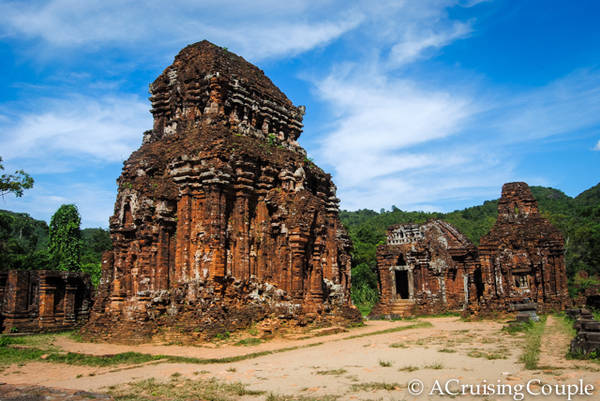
(375, 386)
(249, 341)
(334, 372)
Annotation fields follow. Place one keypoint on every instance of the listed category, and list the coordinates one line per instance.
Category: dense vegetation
(578, 218)
(24, 244)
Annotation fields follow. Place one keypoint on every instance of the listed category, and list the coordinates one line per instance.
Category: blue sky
(425, 105)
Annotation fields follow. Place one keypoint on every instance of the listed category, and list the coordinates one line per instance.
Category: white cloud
(378, 118)
(415, 43)
(395, 141)
(104, 129)
(597, 147)
(255, 30)
(566, 106)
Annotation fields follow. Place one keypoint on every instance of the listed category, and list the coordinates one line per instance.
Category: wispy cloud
(566, 106)
(396, 141)
(597, 147)
(104, 129)
(378, 118)
(287, 28)
(415, 43)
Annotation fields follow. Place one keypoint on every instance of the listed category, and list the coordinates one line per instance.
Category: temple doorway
(401, 277)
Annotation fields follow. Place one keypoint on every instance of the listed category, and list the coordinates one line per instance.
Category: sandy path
(445, 351)
(555, 345)
(224, 351)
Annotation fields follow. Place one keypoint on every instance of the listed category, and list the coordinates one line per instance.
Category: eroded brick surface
(43, 300)
(522, 257)
(424, 268)
(432, 268)
(220, 219)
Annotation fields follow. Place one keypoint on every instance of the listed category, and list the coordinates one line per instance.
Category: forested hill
(578, 218)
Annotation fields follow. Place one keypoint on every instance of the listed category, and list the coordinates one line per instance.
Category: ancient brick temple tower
(220, 218)
(522, 257)
(425, 268)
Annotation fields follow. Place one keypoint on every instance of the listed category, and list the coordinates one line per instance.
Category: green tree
(15, 183)
(65, 238)
(94, 241)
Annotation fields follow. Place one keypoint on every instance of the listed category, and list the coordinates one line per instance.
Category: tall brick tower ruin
(220, 219)
(522, 257)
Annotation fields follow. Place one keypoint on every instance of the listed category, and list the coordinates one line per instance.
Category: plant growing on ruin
(65, 238)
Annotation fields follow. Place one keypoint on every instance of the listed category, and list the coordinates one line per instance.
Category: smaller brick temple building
(43, 300)
(424, 268)
(522, 257)
(433, 268)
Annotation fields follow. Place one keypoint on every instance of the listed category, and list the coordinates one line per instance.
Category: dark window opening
(401, 261)
(478, 283)
(521, 281)
(401, 277)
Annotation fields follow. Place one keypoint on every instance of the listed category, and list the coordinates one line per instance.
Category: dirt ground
(360, 364)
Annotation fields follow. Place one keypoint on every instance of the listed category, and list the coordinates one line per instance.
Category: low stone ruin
(526, 312)
(43, 300)
(587, 340)
(220, 219)
(424, 268)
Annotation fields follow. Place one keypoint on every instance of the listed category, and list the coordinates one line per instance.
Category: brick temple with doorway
(424, 268)
(433, 268)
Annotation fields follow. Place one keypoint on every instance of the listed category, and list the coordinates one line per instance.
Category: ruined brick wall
(425, 268)
(220, 219)
(522, 257)
(44, 300)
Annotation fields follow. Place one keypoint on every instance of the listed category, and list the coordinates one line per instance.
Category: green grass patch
(222, 336)
(249, 341)
(516, 328)
(182, 389)
(126, 358)
(10, 355)
(447, 350)
(385, 364)
(533, 341)
(9, 340)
